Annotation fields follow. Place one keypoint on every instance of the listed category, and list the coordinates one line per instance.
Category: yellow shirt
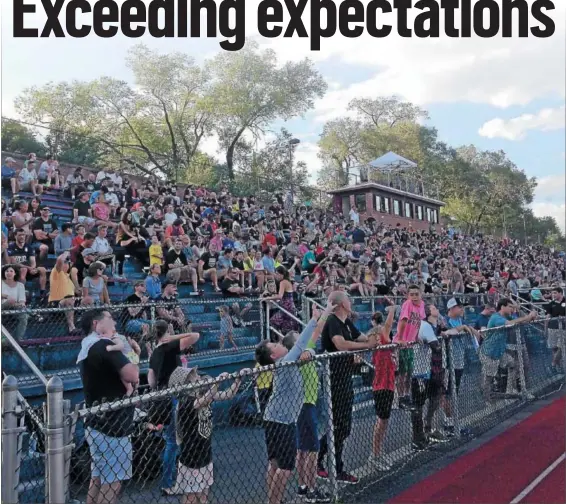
(155, 255)
(264, 379)
(61, 285)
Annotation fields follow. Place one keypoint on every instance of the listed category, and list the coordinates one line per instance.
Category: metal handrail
(288, 313)
(25, 357)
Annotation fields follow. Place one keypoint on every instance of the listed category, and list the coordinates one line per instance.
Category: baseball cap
(453, 303)
(88, 252)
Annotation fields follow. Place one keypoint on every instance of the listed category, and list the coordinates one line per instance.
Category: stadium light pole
(292, 143)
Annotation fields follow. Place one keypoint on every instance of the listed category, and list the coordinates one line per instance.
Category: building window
(434, 216)
(360, 200)
(396, 207)
(408, 210)
(382, 204)
(428, 214)
(419, 212)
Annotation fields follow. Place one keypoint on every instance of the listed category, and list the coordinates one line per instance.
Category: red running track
(500, 470)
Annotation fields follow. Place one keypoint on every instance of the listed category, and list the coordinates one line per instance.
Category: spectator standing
(556, 308)
(14, 298)
(104, 375)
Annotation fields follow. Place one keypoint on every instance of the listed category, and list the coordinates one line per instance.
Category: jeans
(169, 468)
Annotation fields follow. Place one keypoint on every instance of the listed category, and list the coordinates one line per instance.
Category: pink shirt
(413, 314)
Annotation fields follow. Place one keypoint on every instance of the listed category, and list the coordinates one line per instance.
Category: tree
(17, 137)
(251, 91)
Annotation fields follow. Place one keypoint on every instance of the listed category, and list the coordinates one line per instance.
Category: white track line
(538, 479)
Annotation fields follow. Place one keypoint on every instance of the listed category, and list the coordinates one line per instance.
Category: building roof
(373, 185)
(392, 161)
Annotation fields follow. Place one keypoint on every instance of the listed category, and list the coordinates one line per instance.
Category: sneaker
(322, 473)
(406, 404)
(379, 463)
(349, 479)
(317, 495)
(302, 491)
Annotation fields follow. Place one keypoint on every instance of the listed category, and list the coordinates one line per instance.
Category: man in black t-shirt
(104, 375)
(556, 308)
(166, 357)
(178, 267)
(44, 231)
(22, 255)
(207, 266)
(137, 319)
(170, 309)
(82, 213)
(339, 334)
(230, 285)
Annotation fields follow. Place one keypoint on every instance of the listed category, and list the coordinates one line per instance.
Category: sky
(494, 93)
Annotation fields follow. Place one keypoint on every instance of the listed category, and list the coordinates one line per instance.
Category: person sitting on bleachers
(137, 319)
(82, 212)
(172, 311)
(22, 218)
(34, 207)
(129, 236)
(178, 267)
(48, 174)
(101, 211)
(74, 184)
(9, 173)
(79, 269)
(44, 232)
(13, 298)
(94, 286)
(207, 267)
(22, 255)
(104, 251)
(153, 281)
(62, 289)
(64, 240)
(27, 179)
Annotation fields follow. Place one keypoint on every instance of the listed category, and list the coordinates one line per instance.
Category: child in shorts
(226, 327)
(384, 362)
(195, 473)
(130, 349)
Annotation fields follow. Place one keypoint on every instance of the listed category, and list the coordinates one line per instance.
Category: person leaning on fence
(104, 375)
(384, 362)
(556, 308)
(285, 404)
(307, 427)
(195, 473)
(412, 312)
(165, 358)
(493, 352)
(340, 335)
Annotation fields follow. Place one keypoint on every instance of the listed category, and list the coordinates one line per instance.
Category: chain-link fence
(329, 427)
(52, 337)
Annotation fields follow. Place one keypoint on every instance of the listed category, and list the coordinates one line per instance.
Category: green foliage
(19, 138)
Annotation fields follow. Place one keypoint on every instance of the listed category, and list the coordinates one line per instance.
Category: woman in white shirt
(13, 298)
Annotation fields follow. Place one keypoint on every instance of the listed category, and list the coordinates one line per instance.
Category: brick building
(392, 202)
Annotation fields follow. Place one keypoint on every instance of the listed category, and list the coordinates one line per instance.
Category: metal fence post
(521, 363)
(331, 456)
(55, 449)
(10, 436)
(261, 322)
(267, 327)
(453, 391)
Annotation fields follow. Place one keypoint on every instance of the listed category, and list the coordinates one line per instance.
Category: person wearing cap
(9, 173)
(195, 473)
(496, 350)
(44, 231)
(82, 212)
(170, 310)
(83, 259)
(137, 320)
(164, 359)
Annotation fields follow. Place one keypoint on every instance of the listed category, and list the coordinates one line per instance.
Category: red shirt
(270, 240)
(384, 378)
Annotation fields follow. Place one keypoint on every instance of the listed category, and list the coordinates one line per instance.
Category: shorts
(135, 326)
(554, 336)
(383, 401)
(89, 221)
(458, 373)
(307, 429)
(281, 441)
(489, 365)
(111, 457)
(192, 481)
(406, 361)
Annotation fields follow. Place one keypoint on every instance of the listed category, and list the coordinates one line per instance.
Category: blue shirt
(287, 397)
(153, 286)
(268, 264)
(495, 341)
